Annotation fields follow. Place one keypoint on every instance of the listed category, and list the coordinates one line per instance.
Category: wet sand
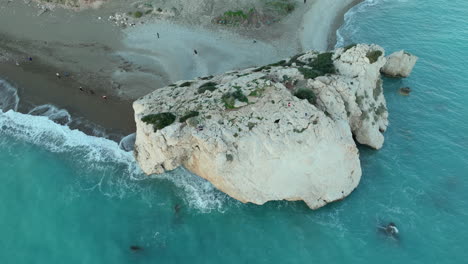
(37, 84)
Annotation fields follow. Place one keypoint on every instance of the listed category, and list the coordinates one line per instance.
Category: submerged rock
(399, 64)
(405, 90)
(279, 132)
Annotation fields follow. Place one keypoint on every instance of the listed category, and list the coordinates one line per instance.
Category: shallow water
(71, 198)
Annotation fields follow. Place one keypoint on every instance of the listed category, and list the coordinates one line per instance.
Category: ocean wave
(348, 28)
(127, 143)
(9, 98)
(198, 192)
(59, 116)
(118, 172)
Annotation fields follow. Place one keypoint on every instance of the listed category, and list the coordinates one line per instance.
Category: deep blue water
(70, 198)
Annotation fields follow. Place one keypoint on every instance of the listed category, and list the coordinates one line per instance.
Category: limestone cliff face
(251, 135)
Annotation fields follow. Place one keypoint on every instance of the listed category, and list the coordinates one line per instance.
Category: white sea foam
(198, 193)
(59, 116)
(9, 99)
(348, 27)
(119, 172)
(127, 143)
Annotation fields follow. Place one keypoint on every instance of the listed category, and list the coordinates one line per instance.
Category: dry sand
(126, 64)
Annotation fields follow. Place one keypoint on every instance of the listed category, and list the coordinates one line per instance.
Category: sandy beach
(95, 57)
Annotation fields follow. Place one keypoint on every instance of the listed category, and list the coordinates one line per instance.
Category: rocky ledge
(284, 131)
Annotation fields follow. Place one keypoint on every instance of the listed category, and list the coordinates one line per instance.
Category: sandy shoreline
(126, 64)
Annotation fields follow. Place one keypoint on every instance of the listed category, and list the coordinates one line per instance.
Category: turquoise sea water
(70, 198)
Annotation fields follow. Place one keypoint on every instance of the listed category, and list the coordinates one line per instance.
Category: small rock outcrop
(405, 91)
(278, 132)
(399, 64)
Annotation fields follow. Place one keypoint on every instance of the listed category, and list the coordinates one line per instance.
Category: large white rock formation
(253, 139)
(399, 64)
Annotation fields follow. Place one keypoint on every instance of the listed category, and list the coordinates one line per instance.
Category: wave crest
(106, 157)
(9, 99)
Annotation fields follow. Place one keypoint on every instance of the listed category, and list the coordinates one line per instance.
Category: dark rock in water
(136, 248)
(405, 90)
(390, 230)
(177, 208)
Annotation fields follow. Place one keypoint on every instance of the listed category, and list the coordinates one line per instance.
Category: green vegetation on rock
(380, 110)
(282, 6)
(159, 121)
(238, 13)
(262, 68)
(206, 77)
(309, 73)
(137, 14)
(374, 56)
(234, 17)
(295, 59)
(251, 125)
(210, 86)
(186, 84)
(257, 92)
(378, 89)
(188, 115)
(299, 130)
(322, 65)
(307, 94)
(349, 47)
(229, 99)
(279, 63)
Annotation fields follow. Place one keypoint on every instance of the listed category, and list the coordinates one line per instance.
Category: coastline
(319, 26)
(126, 64)
(338, 22)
